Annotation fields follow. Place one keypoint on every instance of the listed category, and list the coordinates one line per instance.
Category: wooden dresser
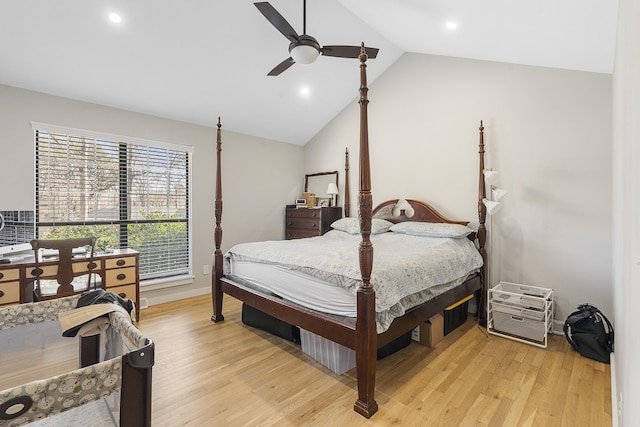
(309, 222)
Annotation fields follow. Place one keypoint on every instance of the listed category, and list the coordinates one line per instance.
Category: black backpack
(590, 333)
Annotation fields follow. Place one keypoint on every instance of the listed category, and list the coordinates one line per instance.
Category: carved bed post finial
(216, 287)
(366, 333)
(347, 190)
(482, 233)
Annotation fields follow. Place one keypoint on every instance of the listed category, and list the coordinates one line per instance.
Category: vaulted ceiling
(195, 60)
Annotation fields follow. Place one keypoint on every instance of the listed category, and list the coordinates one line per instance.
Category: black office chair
(63, 279)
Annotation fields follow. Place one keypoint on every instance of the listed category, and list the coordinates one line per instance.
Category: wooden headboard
(422, 213)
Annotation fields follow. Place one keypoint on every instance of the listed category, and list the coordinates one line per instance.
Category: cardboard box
(431, 332)
(311, 199)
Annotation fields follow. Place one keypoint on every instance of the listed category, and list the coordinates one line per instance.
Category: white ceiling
(195, 60)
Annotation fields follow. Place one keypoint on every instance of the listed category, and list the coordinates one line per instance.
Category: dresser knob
(121, 276)
(122, 295)
(92, 265)
(1, 276)
(120, 262)
(1, 294)
(36, 272)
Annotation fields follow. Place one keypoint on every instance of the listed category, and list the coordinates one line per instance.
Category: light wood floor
(228, 374)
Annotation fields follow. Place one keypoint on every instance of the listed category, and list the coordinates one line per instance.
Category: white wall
(547, 131)
(626, 213)
(259, 176)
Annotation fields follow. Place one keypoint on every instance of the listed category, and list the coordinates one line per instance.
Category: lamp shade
(498, 193)
(332, 188)
(304, 54)
(492, 207)
(491, 177)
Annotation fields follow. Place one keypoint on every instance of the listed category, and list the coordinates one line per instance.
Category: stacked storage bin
(519, 312)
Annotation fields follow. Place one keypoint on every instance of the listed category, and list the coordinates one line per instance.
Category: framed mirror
(317, 183)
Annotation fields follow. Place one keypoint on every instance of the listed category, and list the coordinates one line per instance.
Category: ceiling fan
(304, 49)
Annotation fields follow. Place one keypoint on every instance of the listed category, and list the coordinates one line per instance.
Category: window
(126, 192)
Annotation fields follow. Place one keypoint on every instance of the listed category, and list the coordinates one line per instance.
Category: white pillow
(352, 225)
(432, 229)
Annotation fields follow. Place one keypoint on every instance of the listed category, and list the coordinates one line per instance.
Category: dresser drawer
(9, 274)
(127, 291)
(120, 276)
(120, 262)
(81, 266)
(9, 293)
(304, 213)
(49, 271)
(301, 234)
(304, 223)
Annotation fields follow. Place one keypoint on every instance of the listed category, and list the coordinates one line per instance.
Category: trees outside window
(127, 193)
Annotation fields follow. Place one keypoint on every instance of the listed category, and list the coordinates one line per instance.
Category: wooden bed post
(366, 333)
(216, 288)
(482, 235)
(347, 197)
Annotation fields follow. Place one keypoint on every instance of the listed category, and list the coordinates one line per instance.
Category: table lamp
(332, 190)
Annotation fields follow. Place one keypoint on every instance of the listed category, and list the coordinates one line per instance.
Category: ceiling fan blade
(348, 51)
(281, 67)
(277, 20)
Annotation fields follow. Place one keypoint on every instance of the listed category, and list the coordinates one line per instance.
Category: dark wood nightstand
(309, 222)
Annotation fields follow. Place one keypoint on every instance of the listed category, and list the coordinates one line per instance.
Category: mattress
(323, 273)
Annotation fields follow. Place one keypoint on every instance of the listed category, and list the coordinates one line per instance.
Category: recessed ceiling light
(305, 91)
(451, 25)
(115, 18)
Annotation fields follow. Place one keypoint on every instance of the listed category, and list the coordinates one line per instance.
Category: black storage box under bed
(258, 319)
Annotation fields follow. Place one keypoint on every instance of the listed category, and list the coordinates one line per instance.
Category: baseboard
(616, 404)
(174, 296)
(557, 326)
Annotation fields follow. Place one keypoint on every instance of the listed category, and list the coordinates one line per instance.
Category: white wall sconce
(403, 205)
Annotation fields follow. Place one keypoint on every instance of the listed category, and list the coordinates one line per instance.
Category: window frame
(159, 281)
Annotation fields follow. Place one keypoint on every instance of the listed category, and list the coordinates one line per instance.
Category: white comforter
(407, 270)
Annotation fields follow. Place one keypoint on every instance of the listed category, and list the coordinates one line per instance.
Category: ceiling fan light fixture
(305, 50)
(304, 54)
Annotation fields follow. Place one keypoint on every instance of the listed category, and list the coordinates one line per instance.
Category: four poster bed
(382, 303)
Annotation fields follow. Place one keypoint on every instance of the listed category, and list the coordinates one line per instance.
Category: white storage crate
(520, 312)
(527, 313)
(519, 326)
(521, 295)
(334, 356)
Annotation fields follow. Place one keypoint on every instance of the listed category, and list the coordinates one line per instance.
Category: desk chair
(65, 275)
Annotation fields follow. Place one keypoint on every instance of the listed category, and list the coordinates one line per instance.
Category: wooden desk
(118, 271)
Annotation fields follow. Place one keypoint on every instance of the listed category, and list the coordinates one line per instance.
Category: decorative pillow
(432, 229)
(352, 225)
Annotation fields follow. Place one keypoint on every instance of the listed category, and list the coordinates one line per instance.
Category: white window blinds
(127, 194)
